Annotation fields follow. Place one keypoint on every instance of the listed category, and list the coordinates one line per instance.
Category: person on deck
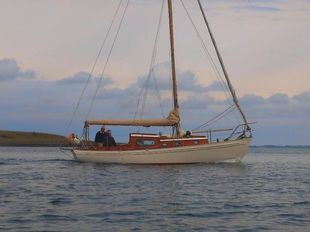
(110, 140)
(101, 136)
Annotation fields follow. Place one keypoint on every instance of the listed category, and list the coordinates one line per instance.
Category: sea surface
(43, 189)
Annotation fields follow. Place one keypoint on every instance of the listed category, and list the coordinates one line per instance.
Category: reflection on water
(42, 189)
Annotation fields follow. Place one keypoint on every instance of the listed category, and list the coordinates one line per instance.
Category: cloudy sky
(48, 48)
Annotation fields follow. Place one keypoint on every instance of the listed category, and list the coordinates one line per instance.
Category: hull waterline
(208, 153)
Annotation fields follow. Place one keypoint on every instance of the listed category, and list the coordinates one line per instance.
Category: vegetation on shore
(18, 138)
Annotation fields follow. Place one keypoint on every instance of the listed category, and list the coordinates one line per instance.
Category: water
(42, 189)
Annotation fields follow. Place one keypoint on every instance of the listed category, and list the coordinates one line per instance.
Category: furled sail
(172, 119)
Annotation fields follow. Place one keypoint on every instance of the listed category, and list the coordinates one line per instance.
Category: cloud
(201, 101)
(250, 5)
(9, 70)
(303, 97)
(48, 106)
(161, 79)
(278, 108)
(279, 98)
(260, 8)
(216, 86)
(81, 78)
(252, 99)
(189, 82)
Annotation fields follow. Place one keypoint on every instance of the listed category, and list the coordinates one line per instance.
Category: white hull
(208, 153)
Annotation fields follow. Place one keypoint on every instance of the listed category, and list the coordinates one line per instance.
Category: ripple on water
(40, 190)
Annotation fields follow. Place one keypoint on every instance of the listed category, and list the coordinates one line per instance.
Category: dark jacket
(110, 141)
(101, 137)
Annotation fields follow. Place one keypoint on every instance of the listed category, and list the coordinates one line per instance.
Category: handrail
(246, 129)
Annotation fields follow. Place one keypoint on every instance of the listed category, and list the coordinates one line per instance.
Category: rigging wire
(93, 67)
(232, 91)
(108, 58)
(222, 82)
(153, 59)
(217, 117)
(214, 67)
(144, 90)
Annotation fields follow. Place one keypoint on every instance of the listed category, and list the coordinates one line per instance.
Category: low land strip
(18, 138)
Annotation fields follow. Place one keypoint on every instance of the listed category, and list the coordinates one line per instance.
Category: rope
(108, 59)
(93, 68)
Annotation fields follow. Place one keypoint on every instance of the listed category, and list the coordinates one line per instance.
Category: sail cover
(172, 119)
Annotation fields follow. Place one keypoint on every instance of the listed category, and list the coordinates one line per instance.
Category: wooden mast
(173, 72)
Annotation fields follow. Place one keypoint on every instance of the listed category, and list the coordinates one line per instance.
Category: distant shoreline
(31, 139)
(32, 145)
(280, 146)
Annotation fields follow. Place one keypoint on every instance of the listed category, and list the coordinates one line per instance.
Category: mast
(173, 72)
(231, 89)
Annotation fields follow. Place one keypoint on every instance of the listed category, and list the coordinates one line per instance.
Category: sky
(48, 49)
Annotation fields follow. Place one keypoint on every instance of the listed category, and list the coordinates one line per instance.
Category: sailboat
(177, 148)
